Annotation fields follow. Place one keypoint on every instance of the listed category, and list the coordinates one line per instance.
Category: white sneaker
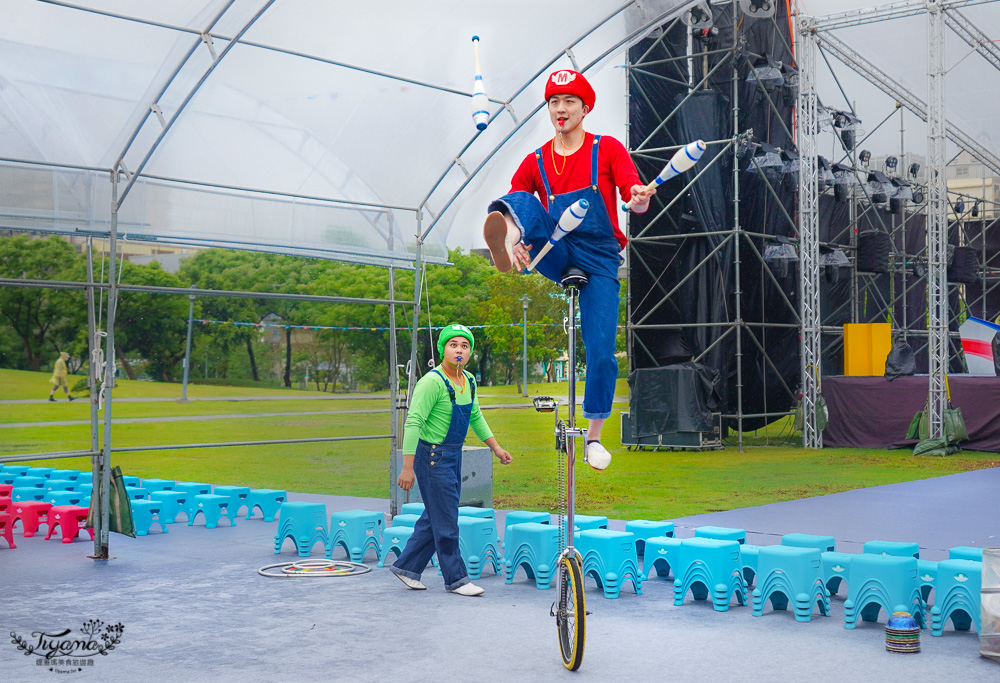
(598, 456)
(410, 583)
(501, 245)
(469, 589)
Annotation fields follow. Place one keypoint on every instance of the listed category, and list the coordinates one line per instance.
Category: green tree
(40, 318)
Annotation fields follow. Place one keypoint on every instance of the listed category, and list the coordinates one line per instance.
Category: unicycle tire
(572, 613)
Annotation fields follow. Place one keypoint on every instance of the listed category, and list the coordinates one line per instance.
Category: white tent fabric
(331, 129)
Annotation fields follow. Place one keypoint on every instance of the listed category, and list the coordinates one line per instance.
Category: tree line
(150, 331)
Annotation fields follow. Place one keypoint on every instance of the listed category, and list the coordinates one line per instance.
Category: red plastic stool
(7, 528)
(5, 490)
(5, 502)
(32, 514)
(71, 520)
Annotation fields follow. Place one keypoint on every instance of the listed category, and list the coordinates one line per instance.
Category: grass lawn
(653, 485)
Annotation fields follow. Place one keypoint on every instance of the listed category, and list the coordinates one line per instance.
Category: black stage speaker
(873, 251)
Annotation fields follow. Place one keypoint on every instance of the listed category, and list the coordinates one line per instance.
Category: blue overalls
(591, 247)
(438, 468)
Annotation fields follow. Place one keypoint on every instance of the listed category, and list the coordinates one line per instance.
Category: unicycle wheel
(572, 612)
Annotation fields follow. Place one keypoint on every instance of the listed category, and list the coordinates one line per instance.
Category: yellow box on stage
(866, 346)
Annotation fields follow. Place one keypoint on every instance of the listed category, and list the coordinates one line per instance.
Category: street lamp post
(187, 348)
(524, 384)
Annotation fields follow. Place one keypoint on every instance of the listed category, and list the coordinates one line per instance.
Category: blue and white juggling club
(480, 103)
(686, 157)
(568, 222)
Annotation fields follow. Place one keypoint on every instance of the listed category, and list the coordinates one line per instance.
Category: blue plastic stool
(268, 501)
(520, 517)
(709, 566)
(405, 520)
(892, 548)
(158, 484)
(44, 472)
(16, 470)
(394, 539)
(836, 569)
(171, 503)
(8, 478)
(609, 557)
(721, 533)
(146, 513)
(661, 555)
(237, 496)
(412, 509)
(748, 560)
(213, 508)
(957, 595)
(469, 511)
(28, 493)
(137, 493)
(85, 489)
(882, 582)
(926, 576)
(85, 478)
(29, 482)
(644, 528)
(356, 531)
(58, 498)
(964, 552)
(584, 522)
(60, 485)
(130, 481)
(305, 523)
(192, 489)
(72, 475)
(826, 544)
(791, 574)
(535, 547)
(478, 544)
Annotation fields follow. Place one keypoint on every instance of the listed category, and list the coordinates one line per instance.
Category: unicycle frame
(569, 432)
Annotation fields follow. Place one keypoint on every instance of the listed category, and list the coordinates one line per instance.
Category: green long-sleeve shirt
(430, 412)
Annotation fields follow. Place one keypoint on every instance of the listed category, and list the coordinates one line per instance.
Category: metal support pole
(187, 350)
(524, 304)
(93, 382)
(738, 242)
(393, 390)
(937, 222)
(806, 127)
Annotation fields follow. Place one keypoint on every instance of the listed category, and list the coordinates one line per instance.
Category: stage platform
(873, 412)
(194, 608)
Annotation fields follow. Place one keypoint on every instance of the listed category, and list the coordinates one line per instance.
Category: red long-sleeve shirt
(615, 170)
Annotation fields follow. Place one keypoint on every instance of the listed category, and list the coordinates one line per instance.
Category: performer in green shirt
(443, 407)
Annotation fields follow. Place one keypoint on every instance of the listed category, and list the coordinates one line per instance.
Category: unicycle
(570, 610)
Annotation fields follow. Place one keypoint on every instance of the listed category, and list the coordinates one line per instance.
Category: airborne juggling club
(480, 103)
(686, 157)
(570, 219)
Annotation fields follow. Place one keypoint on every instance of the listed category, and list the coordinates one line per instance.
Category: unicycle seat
(573, 277)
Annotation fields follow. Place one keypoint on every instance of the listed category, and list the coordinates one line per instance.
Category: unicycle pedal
(544, 404)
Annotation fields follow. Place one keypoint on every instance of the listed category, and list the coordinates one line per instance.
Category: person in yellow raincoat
(58, 378)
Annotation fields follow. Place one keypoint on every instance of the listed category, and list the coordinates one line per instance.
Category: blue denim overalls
(438, 468)
(593, 248)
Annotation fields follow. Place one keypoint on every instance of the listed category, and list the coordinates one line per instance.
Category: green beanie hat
(455, 330)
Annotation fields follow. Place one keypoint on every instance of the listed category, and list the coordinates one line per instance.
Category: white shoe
(410, 583)
(498, 239)
(598, 456)
(469, 589)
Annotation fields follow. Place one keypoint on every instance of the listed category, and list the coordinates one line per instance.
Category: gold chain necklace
(567, 151)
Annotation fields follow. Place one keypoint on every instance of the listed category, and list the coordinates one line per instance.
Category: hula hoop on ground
(313, 568)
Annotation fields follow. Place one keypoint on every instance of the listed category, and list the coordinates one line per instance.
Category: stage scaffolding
(710, 58)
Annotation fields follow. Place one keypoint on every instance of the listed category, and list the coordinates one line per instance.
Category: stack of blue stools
(394, 539)
(482, 513)
(835, 566)
(790, 574)
(534, 546)
(609, 557)
(660, 554)
(709, 565)
(268, 501)
(305, 523)
(409, 520)
(146, 513)
(748, 560)
(356, 531)
(520, 517)
(882, 582)
(956, 595)
(412, 509)
(478, 544)
(644, 528)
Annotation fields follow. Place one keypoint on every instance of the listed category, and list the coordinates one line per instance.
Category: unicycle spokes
(571, 612)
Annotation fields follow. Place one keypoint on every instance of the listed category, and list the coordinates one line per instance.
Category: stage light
(824, 173)
(768, 160)
(919, 270)
(767, 72)
(849, 126)
(959, 207)
(778, 255)
(903, 189)
(918, 196)
(698, 17)
(790, 170)
(879, 187)
(865, 156)
(914, 169)
(831, 262)
(844, 179)
(891, 162)
(758, 9)
(975, 209)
